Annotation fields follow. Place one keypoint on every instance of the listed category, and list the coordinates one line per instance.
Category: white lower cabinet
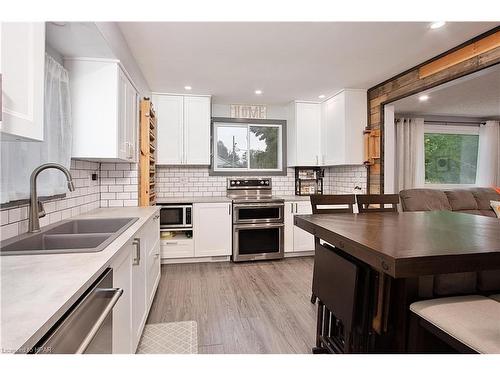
(212, 229)
(137, 271)
(296, 239)
(122, 312)
(212, 234)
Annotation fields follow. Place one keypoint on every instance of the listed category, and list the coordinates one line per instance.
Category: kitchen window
(451, 155)
(253, 147)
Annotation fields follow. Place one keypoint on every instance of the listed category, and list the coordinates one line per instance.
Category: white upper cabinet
(104, 111)
(183, 129)
(304, 134)
(196, 130)
(344, 117)
(22, 70)
(328, 133)
(170, 128)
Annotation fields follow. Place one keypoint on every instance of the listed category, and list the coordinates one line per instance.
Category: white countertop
(200, 199)
(195, 199)
(37, 289)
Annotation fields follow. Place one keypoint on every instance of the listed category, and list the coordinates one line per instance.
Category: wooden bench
(469, 324)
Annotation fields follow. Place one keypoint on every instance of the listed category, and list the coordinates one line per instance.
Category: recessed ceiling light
(423, 98)
(321, 96)
(258, 92)
(187, 88)
(437, 25)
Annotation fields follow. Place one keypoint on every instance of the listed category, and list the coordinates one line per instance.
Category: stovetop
(251, 190)
(258, 200)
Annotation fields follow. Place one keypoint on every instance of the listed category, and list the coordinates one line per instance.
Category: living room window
(451, 154)
(241, 148)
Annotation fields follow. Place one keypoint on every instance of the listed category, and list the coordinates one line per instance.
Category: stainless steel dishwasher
(87, 326)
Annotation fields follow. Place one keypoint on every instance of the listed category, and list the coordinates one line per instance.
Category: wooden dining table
(402, 247)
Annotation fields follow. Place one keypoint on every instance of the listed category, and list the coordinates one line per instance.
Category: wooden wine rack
(147, 169)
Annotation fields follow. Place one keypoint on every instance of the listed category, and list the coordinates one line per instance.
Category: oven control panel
(249, 183)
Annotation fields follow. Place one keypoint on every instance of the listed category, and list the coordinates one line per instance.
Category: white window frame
(248, 169)
(448, 129)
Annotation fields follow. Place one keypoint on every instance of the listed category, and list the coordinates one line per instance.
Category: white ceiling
(286, 61)
(476, 95)
(77, 39)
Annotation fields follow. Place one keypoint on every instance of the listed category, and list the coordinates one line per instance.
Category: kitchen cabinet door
(123, 146)
(212, 229)
(152, 243)
(302, 240)
(22, 67)
(196, 130)
(304, 134)
(170, 129)
(122, 312)
(344, 117)
(139, 310)
(132, 123)
(333, 131)
(289, 211)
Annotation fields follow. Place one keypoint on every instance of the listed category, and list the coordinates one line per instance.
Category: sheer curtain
(18, 159)
(488, 160)
(410, 156)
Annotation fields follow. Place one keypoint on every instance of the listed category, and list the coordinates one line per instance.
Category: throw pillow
(496, 207)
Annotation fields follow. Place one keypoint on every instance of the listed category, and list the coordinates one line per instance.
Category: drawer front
(177, 249)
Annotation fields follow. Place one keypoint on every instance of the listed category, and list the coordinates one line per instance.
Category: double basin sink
(71, 236)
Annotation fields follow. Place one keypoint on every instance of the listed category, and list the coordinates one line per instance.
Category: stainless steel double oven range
(258, 221)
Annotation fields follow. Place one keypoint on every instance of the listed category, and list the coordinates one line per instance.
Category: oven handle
(237, 205)
(260, 225)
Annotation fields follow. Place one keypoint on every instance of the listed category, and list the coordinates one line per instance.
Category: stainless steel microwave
(176, 216)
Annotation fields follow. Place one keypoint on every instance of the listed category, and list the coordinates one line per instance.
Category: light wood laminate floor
(257, 307)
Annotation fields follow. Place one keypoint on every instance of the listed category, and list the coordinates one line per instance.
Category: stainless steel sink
(89, 226)
(71, 236)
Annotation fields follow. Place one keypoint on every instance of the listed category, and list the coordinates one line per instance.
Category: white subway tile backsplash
(193, 180)
(84, 198)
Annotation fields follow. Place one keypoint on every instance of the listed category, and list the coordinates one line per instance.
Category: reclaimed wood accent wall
(471, 56)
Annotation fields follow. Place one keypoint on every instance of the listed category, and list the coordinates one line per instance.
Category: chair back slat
(345, 201)
(366, 202)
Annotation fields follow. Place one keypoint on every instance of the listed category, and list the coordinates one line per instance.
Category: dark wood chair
(337, 204)
(365, 202)
(345, 201)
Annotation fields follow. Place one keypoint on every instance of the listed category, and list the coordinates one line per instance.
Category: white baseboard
(299, 254)
(196, 260)
(226, 258)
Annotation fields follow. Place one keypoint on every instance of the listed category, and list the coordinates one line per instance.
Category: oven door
(253, 213)
(173, 217)
(258, 241)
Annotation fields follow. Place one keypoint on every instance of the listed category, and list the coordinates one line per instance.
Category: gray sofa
(474, 201)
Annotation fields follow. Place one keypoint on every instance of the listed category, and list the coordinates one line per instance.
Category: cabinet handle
(291, 208)
(296, 208)
(171, 243)
(137, 244)
(229, 209)
(317, 160)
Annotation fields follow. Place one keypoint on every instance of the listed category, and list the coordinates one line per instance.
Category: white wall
(274, 112)
(116, 41)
